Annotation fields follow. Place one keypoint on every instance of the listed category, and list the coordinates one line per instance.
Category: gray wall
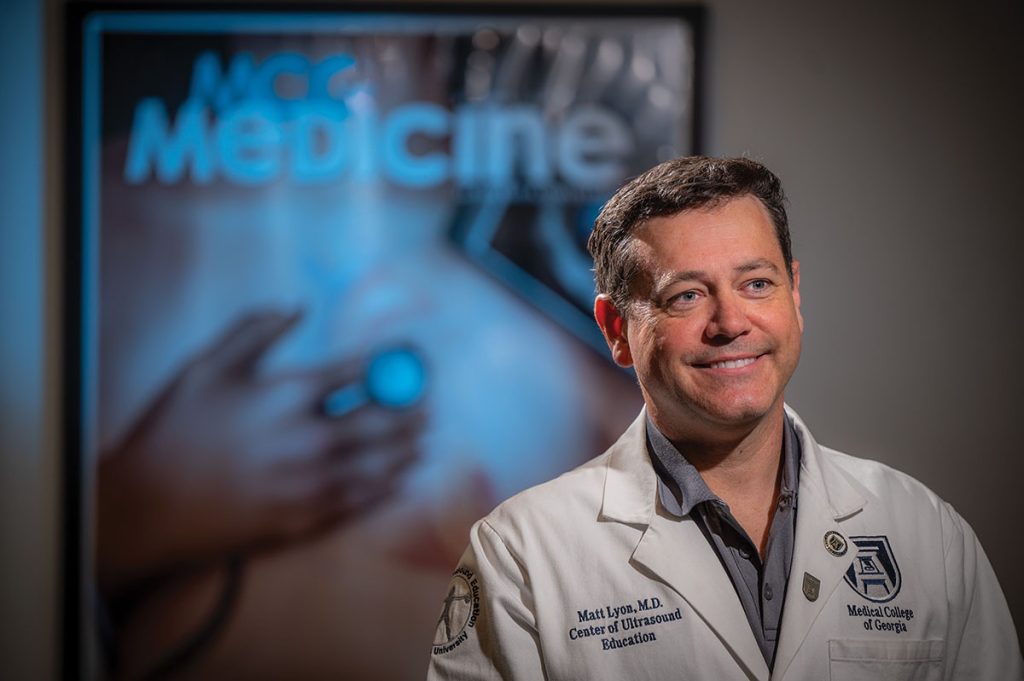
(895, 127)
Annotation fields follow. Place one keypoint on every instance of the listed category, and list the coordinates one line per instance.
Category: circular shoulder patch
(459, 611)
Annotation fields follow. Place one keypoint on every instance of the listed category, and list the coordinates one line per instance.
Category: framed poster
(328, 302)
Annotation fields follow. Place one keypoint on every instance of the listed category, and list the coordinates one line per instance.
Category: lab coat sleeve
(981, 642)
(501, 641)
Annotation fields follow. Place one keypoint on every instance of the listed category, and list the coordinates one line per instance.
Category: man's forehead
(740, 228)
(747, 207)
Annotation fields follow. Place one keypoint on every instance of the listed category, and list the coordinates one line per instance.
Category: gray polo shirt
(761, 587)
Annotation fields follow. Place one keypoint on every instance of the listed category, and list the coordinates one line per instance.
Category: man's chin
(738, 414)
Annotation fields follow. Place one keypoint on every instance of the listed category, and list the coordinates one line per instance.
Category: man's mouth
(729, 363)
(733, 363)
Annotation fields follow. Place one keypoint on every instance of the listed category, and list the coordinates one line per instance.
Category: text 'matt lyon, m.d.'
(717, 539)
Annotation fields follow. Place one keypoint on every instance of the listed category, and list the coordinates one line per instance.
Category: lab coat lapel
(677, 552)
(827, 501)
(674, 550)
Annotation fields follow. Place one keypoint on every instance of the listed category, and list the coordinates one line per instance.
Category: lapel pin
(812, 586)
(835, 543)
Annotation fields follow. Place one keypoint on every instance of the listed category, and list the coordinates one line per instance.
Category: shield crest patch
(874, 573)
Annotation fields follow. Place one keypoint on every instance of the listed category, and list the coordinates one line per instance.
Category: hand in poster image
(226, 460)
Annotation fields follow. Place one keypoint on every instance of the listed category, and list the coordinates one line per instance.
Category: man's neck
(742, 466)
(729, 449)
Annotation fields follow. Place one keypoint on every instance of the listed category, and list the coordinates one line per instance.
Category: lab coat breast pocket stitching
(886, 660)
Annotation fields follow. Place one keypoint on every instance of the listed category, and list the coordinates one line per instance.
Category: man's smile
(734, 362)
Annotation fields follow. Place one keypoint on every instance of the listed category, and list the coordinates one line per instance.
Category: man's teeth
(733, 363)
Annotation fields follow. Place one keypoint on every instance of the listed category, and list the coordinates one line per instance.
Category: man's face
(714, 330)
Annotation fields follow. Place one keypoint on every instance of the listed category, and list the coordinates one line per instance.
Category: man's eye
(684, 299)
(759, 285)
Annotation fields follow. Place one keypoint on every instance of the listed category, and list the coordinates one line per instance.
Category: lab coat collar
(828, 500)
(630, 485)
(677, 552)
(841, 494)
(674, 549)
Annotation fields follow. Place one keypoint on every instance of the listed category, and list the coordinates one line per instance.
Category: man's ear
(613, 326)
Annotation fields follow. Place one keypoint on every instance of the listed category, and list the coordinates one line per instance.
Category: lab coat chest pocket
(851, 660)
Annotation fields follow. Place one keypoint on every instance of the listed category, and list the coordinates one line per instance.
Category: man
(716, 539)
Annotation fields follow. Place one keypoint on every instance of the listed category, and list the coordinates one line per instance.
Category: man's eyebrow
(669, 278)
(758, 264)
(700, 275)
(685, 275)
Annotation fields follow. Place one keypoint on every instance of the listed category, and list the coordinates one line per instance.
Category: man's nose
(728, 319)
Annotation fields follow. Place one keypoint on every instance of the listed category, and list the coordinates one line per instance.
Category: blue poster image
(336, 306)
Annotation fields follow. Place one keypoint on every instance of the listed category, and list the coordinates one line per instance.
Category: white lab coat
(555, 583)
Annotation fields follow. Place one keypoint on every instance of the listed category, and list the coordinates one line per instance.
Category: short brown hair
(670, 188)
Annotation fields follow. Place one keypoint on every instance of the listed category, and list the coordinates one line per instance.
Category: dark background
(896, 131)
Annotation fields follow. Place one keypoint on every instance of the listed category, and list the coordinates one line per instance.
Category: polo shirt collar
(680, 485)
